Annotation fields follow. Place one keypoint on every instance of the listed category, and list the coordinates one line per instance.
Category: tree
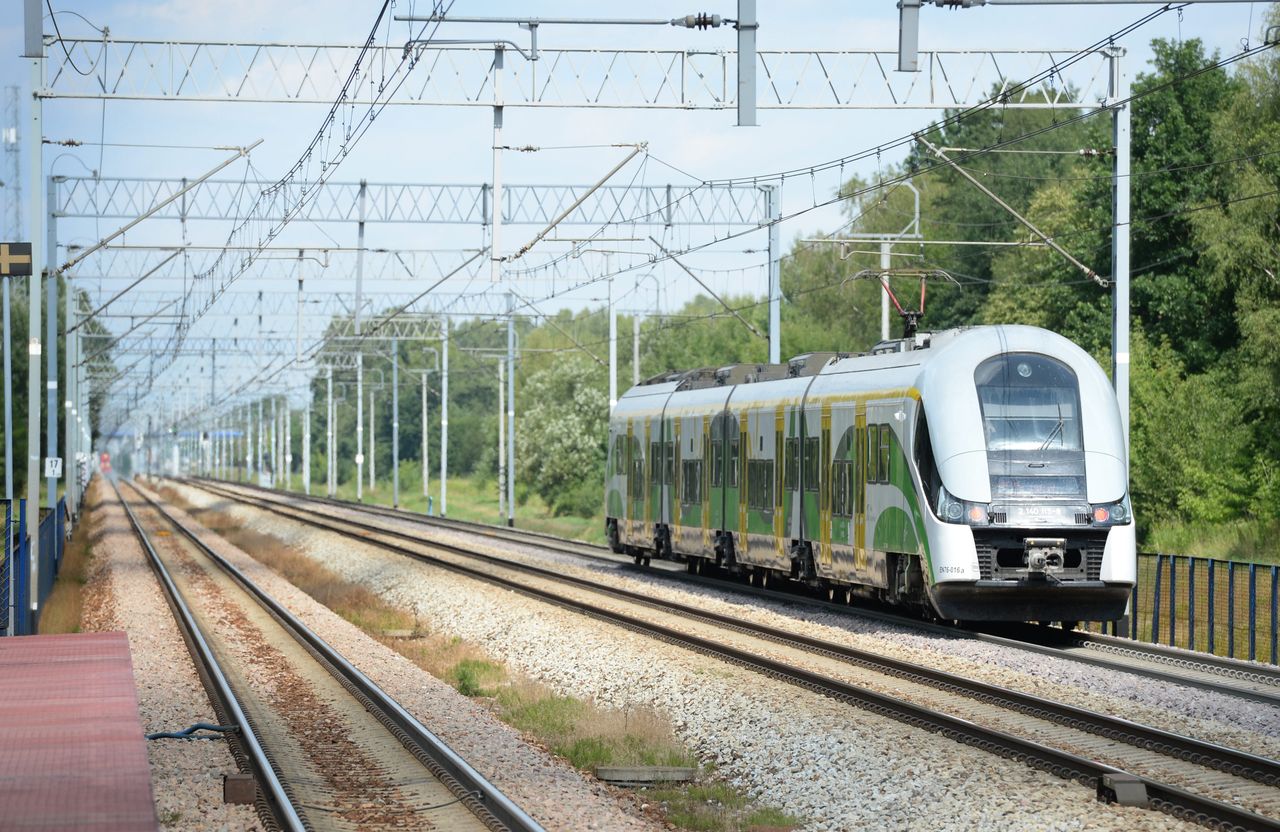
(1174, 154)
(563, 435)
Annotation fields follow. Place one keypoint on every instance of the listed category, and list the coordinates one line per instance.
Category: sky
(429, 144)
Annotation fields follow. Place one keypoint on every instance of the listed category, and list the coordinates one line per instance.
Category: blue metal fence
(1216, 606)
(17, 577)
(5, 567)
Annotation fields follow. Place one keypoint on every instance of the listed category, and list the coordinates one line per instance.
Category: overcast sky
(452, 144)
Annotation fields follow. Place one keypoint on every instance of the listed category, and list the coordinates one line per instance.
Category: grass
(1247, 540)
(61, 613)
(716, 807)
(474, 499)
(584, 733)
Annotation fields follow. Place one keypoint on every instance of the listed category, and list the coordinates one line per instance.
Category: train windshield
(1030, 403)
(1031, 418)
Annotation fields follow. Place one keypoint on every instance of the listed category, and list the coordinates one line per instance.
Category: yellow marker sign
(15, 259)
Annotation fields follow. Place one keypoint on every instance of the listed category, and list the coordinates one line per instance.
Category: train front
(1026, 476)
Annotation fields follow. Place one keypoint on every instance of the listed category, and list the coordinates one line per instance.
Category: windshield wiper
(1057, 430)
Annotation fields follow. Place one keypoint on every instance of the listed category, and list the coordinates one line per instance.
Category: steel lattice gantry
(694, 205)
(620, 78)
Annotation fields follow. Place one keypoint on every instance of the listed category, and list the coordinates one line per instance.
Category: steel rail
(1111, 650)
(272, 792)
(1171, 799)
(484, 799)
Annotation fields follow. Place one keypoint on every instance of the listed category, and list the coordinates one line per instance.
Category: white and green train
(977, 473)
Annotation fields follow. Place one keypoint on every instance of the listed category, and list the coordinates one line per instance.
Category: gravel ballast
(122, 594)
(833, 764)
(547, 788)
(1213, 717)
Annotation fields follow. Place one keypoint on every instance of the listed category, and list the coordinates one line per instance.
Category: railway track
(1205, 671)
(327, 747)
(1216, 786)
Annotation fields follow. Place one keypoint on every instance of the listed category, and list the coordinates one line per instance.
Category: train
(971, 474)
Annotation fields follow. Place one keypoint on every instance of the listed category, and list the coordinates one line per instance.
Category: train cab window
(733, 463)
(812, 461)
(1030, 404)
(792, 454)
(930, 479)
(717, 463)
(882, 469)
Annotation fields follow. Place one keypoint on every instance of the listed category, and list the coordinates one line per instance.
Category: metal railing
(1224, 607)
(18, 618)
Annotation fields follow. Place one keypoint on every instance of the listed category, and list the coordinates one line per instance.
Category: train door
(791, 473)
(654, 505)
(823, 557)
(810, 476)
(860, 553)
(635, 484)
(781, 549)
(887, 519)
(738, 470)
(730, 474)
(718, 520)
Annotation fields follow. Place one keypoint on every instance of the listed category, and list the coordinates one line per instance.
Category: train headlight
(952, 510)
(1111, 514)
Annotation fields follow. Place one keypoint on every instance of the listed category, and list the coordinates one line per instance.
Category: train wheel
(764, 578)
(646, 561)
(831, 594)
(639, 560)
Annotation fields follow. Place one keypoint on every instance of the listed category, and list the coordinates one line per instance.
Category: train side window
(717, 463)
(760, 474)
(860, 469)
(767, 498)
(792, 463)
(655, 462)
(733, 463)
(812, 460)
(670, 466)
(688, 481)
(636, 486)
(886, 433)
(842, 488)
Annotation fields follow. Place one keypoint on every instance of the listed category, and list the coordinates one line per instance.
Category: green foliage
(475, 677)
(98, 363)
(1205, 302)
(1191, 447)
(564, 430)
(716, 807)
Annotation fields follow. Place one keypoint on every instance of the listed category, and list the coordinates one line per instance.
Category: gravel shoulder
(552, 792)
(122, 594)
(833, 764)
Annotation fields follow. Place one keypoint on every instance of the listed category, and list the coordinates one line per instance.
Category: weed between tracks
(578, 730)
(61, 612)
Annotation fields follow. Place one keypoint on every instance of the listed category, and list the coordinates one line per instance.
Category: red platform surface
(72, 752)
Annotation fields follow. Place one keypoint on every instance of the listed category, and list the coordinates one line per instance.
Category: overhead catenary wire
(699, 248)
